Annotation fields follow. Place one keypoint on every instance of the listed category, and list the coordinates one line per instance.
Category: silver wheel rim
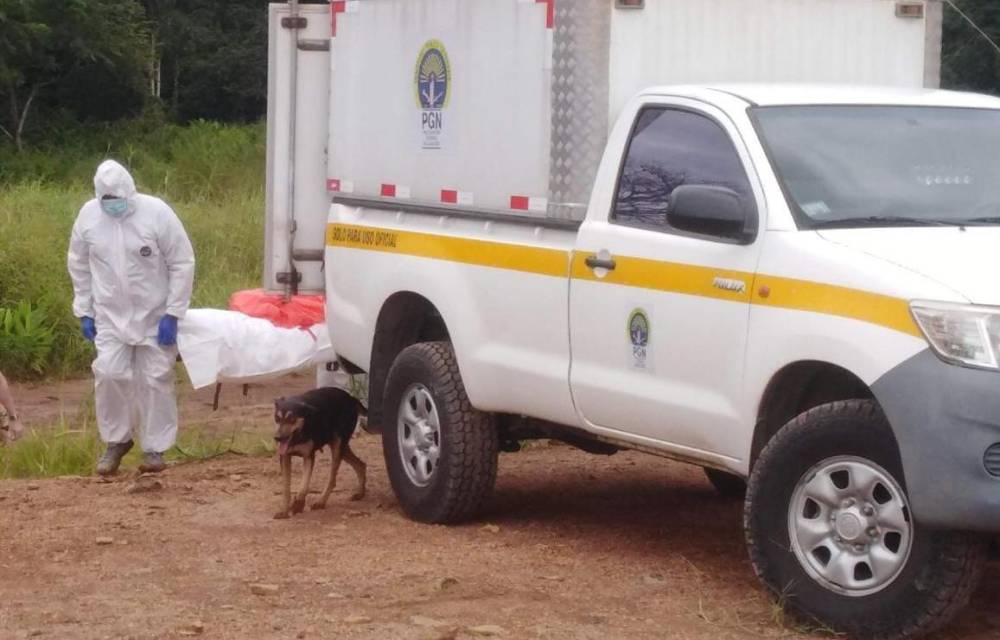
(850, 527)
(419, 434)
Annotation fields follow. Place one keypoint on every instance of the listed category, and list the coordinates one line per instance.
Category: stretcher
(218, 346)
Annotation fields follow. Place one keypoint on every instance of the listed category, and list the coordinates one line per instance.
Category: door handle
(597, 263)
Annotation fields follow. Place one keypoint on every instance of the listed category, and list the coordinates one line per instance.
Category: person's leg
(6, 398)
(14, 426)
(154, 370)
(113, 397)
(113, 389)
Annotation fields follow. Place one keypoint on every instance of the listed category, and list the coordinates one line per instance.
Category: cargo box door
(297, 114)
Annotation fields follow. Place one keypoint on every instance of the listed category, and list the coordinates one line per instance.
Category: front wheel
(440, 452)
(830, 531)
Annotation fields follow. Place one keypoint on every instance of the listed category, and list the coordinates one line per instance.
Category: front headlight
(962, 334)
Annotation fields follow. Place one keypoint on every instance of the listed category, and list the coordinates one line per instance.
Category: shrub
(202, 160)
(25, 340)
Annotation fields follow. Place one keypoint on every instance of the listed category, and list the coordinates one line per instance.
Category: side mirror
(712, 211)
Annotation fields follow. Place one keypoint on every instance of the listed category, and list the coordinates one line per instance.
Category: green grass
(212, 175)
(72, 449)
(202, 160)
(62, 450)
(197, 444)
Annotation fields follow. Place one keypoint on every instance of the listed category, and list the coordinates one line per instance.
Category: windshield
(855, 166)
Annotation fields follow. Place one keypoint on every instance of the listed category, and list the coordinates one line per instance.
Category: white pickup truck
(790, 286)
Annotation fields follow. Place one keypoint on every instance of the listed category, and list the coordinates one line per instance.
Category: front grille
(992, 460)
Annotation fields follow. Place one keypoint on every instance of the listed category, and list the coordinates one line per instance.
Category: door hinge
(909, 9)
(289, 277)
(308, 255)
(310, 44)
(298, 22)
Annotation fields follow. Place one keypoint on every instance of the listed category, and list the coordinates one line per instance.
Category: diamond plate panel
(580, 77)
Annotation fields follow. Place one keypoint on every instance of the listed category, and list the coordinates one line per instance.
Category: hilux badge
(729, 284)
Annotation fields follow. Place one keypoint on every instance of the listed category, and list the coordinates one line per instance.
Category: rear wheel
(440, 452)
(829, 529)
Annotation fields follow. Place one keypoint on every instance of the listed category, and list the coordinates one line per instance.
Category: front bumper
(945, 417)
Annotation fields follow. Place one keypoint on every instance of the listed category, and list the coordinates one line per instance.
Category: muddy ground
(572, 546)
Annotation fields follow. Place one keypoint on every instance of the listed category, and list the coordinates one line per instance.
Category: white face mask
(114, 207)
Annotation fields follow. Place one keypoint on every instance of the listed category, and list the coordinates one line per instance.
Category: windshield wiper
(886, 221)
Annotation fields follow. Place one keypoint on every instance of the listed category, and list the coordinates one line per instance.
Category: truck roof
(767, 95)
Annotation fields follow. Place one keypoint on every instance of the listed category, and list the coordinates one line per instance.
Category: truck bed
(504, 282)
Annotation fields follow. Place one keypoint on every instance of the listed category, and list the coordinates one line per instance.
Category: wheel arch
(798, 387)
(404, 319)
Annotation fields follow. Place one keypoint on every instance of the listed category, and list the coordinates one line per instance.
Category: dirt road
(573, 546)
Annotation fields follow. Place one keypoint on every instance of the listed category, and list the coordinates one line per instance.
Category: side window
(670, 148)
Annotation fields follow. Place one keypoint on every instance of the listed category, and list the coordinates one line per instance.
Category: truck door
(659, 315)
(297, 114)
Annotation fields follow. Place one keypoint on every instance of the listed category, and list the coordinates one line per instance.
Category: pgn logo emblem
(433, 76)
(433, 86)
(638, 335)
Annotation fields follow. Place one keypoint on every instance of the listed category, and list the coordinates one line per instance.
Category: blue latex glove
(88, 328)
(167, 335)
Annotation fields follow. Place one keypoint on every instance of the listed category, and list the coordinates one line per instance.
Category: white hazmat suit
(128, 272)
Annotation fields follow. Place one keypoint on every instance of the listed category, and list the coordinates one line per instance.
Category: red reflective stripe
(550, 14)
(337, 6)
(449, 196)
(520, 202)
(388, 190)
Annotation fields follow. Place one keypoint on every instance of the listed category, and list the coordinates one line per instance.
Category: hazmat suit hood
(112, 179)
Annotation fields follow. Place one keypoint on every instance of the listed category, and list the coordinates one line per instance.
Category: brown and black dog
(306, 424)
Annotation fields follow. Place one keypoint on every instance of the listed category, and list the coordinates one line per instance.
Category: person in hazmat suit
(132, 268)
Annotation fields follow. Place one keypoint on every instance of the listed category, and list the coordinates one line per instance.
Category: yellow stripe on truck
(804, 295)
(786, 293)
(484, 253)
(671, 277)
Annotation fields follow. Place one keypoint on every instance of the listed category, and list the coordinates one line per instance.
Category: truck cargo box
(503, 106)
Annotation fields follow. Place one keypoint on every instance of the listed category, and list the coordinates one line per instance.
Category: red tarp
(299, 312)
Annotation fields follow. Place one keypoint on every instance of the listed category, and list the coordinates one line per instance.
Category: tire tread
(471, 438)
(958, 558)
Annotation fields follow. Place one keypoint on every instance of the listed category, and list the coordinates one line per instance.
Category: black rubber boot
(112, 458)
(152, 462)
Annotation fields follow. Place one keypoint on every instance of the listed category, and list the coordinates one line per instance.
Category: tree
(19, 37)
(49, 44)
(212, 57)
(969, 60)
